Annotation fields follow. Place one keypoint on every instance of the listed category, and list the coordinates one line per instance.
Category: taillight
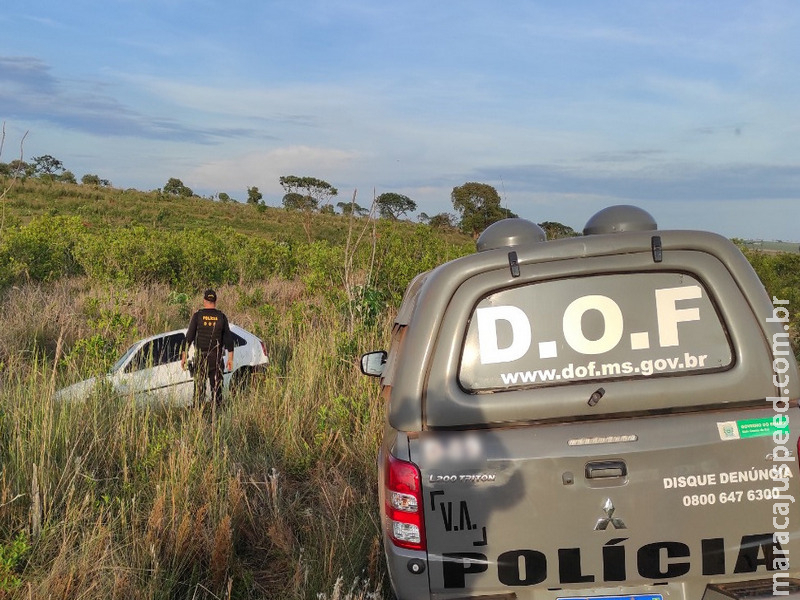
(263, 348)
(404, 503)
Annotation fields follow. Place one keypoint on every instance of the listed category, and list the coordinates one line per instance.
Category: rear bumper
(409, 583)
(408, 579)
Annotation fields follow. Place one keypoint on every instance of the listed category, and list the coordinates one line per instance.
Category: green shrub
(400, 255)
(42, 250)
(780, 274)
(12, 557)
(130, 256)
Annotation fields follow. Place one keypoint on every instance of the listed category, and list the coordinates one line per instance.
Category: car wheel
(241, 380)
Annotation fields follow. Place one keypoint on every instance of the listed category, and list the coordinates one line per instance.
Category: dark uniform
(210, 332)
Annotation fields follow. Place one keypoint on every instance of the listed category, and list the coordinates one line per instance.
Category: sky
(687, 109)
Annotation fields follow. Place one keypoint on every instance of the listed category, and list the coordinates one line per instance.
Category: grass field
(274, 497)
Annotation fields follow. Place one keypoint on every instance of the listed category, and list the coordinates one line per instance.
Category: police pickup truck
(605, 416)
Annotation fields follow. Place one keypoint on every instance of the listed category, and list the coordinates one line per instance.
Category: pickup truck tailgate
(658, 504)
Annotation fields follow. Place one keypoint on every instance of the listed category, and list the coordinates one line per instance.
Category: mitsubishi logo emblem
(602, 522)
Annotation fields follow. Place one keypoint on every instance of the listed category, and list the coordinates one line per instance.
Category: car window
(238, 340)
(598, 327)
(141, 358)
(173, 345)
(123, 359)
(159, 351)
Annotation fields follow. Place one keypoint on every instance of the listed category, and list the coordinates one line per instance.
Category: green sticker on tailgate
(756, 427)
(749, 428)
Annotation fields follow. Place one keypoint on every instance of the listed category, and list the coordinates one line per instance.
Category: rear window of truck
(599, 327)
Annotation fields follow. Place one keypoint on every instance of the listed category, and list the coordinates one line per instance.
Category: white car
(150, 369)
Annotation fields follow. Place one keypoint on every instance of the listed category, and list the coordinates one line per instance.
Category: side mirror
(372, 363)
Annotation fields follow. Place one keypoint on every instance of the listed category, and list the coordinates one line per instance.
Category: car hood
(78, 391)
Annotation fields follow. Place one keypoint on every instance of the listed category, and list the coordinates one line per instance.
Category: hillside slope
(107, 207)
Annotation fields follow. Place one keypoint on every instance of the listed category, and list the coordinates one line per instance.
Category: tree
(393, 206)
(175, 187)
(19, 168)
(478, 205)
(295, 201)
(91, 179)
(47, 165)
(223, 197)
(555, 230)
(306, 194)
(253, 195)
(352, 208)
(442, 221)
(315, 190)
(67, 177)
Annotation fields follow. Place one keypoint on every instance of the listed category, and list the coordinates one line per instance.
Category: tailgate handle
(605, 469)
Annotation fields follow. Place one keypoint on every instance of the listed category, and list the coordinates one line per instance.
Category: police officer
(210, 332)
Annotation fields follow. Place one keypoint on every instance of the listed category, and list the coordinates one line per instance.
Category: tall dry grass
(273, 497)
